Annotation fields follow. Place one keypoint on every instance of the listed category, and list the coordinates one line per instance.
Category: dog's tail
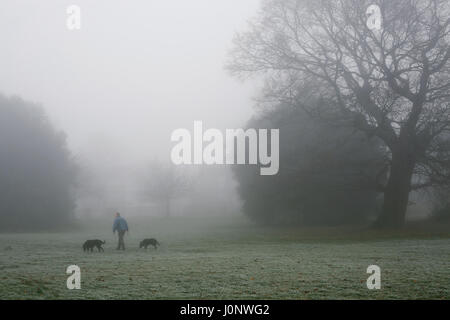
(158, 243)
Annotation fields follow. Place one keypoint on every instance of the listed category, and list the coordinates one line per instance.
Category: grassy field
(209, 259)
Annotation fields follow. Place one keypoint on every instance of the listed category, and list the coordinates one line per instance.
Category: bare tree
(164, 183)
(395, 80)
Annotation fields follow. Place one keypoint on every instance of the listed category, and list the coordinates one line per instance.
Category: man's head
(117, 214)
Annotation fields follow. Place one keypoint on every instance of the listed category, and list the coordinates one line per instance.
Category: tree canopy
(326, 173)
(395, 81)
(37, 172)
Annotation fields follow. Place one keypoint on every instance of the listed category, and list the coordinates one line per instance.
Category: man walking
(120, 225)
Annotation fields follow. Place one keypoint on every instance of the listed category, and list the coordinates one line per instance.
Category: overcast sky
(135, 71)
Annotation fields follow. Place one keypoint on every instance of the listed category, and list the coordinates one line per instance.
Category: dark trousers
(121, 244)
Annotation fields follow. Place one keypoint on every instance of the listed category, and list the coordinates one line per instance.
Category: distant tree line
(37, 172)
(163, 183)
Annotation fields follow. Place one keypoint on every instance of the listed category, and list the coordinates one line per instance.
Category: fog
(122, 84)
(224, 150)
(119, 86)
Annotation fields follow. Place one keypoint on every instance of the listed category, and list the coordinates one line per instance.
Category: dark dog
(149, 242)
(90, 244)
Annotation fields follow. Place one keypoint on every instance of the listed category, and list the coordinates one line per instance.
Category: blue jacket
(120, 224)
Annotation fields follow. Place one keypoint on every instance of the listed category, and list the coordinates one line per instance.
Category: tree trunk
(396, 194)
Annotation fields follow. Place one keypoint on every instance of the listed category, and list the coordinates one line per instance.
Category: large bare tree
(164, 183)
(395, 79)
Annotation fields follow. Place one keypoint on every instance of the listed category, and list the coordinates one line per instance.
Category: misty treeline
(163, 183)
(37, 172)
(174, 190)
(390, 85)
(43, 186)
(364, 119)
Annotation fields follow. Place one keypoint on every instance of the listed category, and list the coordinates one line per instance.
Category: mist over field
(122, 83)
(266, 149)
